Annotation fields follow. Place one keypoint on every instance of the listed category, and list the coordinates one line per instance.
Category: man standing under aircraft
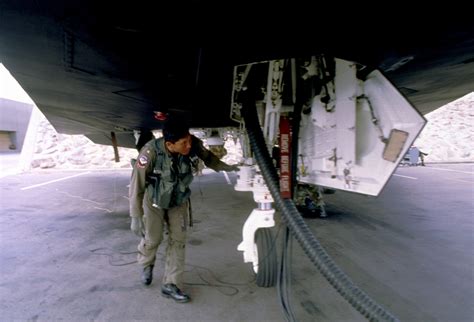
(159, 193)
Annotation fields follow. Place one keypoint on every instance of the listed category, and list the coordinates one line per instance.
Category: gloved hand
(230, 168)
(137, 226)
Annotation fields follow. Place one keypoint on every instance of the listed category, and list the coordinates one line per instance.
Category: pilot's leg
(175, 252)
(422, 159)
(153, 220)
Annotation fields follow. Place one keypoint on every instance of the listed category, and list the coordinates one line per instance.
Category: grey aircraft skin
(95, 68)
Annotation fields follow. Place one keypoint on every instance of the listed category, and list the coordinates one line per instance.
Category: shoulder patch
(142, 161)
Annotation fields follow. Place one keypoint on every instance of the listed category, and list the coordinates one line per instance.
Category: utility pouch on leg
(155, 182)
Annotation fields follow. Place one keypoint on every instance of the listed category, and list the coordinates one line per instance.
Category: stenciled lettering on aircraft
(285, 164)
(285, 142)
(285, 173)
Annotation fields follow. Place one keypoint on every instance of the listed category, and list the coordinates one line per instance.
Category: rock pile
(61, 151)
(449, 134)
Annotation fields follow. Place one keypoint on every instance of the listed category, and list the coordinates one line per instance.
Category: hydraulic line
(292, 218)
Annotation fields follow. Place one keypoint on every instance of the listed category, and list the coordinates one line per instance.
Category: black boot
(147, 275)
(172, 291)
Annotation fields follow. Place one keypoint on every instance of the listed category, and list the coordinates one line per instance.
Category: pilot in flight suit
(159, 193)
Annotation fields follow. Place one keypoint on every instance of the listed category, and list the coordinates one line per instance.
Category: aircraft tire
(267, 258)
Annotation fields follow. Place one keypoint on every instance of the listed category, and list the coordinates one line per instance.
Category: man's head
(177, 137)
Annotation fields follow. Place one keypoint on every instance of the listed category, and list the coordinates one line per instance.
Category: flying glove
(137, 226)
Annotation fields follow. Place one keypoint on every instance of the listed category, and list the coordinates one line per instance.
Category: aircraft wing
(96, 68)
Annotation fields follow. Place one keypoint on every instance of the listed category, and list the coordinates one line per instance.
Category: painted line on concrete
(399, 175)
(227, 177)
(87, 169)
(449, 170)
(52, 181)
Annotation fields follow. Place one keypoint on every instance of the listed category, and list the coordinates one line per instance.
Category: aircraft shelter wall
(14, 120)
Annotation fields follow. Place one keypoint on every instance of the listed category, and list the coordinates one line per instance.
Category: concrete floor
(66, 252)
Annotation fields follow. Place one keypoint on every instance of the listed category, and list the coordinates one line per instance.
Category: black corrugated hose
(292, 218)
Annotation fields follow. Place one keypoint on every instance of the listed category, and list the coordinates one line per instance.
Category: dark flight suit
(159, 192)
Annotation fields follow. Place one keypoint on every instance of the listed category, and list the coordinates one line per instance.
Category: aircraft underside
(97, 68)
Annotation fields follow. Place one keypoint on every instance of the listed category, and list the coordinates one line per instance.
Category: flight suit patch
(142, 161)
